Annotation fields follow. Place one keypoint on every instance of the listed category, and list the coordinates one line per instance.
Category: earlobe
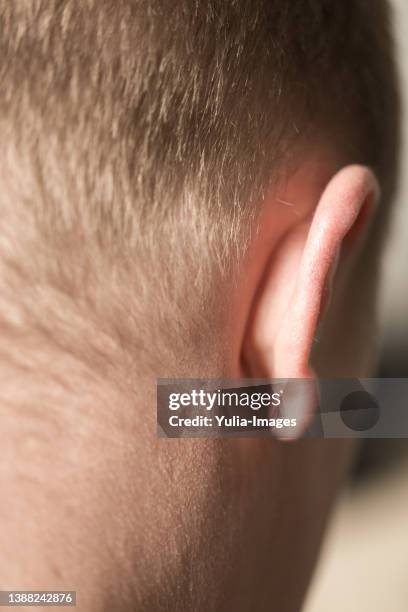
(296, 283)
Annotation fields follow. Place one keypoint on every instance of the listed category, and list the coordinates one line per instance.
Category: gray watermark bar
(283, 408)
(37, 598)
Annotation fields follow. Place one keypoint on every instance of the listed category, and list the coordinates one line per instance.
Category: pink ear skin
(296, 287)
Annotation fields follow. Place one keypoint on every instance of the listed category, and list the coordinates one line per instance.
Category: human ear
(294, 288)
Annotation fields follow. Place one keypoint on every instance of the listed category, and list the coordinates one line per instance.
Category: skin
(97, 503)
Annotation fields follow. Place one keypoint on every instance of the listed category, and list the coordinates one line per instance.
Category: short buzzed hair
(152, 129)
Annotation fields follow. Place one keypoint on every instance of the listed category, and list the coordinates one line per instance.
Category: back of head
(178, 177)
(141, 138)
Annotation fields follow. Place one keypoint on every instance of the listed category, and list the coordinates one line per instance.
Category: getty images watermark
(283, 408)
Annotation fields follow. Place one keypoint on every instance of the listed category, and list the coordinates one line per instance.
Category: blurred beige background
(395, 290)
(364, 564)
